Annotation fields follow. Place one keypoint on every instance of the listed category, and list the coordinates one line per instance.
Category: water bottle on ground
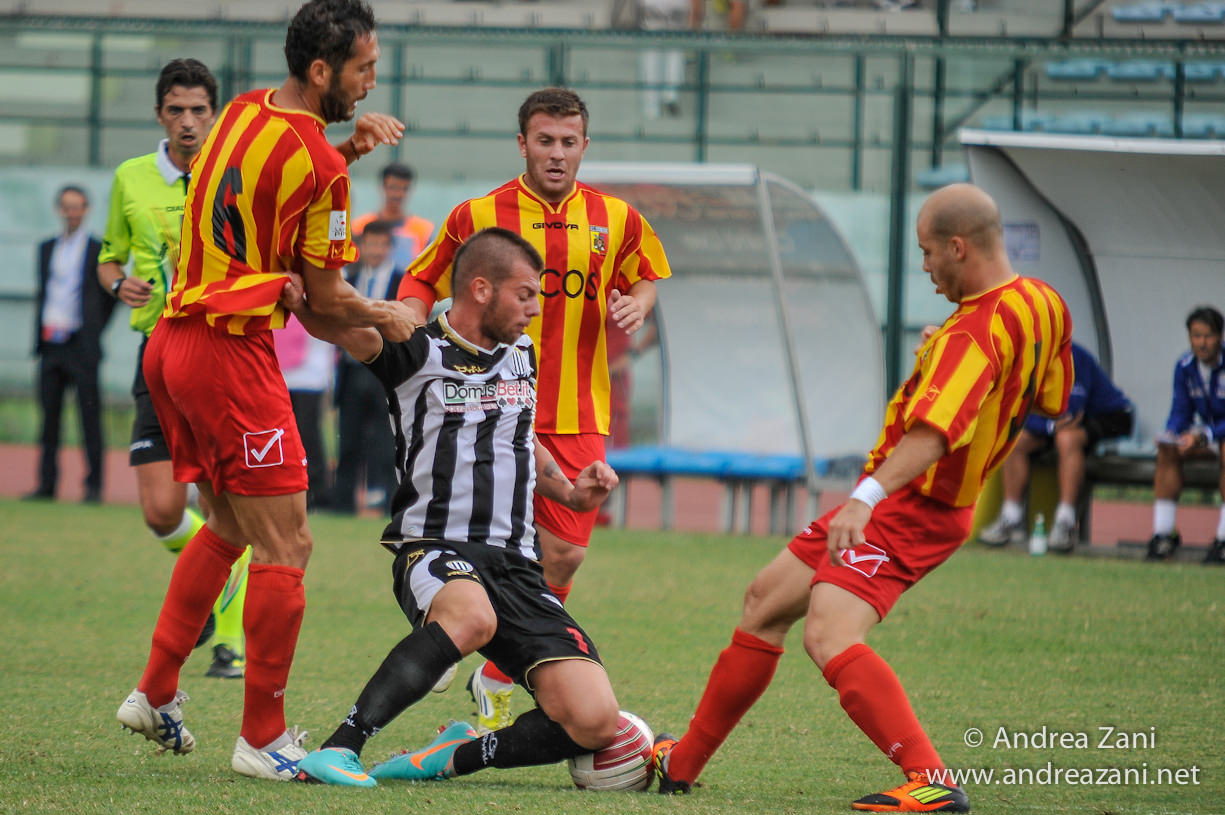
(1037, 538)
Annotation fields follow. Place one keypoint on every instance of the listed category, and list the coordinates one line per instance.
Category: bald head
(964, 211)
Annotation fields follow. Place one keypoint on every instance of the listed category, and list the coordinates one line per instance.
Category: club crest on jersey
(866, 558)
(519, 364)
(599, 240)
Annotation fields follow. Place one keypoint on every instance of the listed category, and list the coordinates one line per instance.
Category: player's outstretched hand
(846, 529)
(592, 486)
(373, 129)
(626, 311)
(397, 323)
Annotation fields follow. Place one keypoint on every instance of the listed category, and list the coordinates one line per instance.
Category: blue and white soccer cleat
(162, 727)
(432, 762)
(334, 765)
(276, 762)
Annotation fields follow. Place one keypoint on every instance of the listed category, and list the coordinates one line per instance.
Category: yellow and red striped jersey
(591, 243)
(267, 192)
(1002, 353)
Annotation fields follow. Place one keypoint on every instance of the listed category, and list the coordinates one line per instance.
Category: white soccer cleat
(1003, 533)
(1062, 538)
(162, 727)
(277, 762)
(446, 679)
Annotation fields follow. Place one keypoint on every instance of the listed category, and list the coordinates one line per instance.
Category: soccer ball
(625, 764)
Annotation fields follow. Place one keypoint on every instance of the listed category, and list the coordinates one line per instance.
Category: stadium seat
(936, 177)
(1140, 71)
(1140, 125)
(1152, 12)
(1085, 123)
(1077, 69)
(1203, 126)
(1031, 120)
(1200, 14)
(1202, 71)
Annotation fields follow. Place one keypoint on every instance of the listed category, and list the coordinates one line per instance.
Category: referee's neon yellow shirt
(144, 224)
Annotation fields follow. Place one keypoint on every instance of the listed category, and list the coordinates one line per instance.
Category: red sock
(561, 592)
(271, 619)
(491, 671)
(199, 575)
(873, 697)
(741, 674)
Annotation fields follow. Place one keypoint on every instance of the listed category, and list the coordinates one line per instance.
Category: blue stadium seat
(1083, 123)
(1077, 69)
(1151, 12)
(1203, 126)
(935, 177)
(1031, 120)
(1140, 125)
(1140, 71)
(1200, 14)
(1201, 71)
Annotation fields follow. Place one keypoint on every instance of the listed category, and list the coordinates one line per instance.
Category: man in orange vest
(412, 232)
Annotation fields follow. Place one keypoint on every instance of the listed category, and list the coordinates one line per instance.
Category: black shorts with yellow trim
(533, 626)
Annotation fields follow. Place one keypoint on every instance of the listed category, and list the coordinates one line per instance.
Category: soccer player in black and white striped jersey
(467, 571)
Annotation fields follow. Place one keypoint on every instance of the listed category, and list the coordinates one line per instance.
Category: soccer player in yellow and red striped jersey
(1004, 351)
(601, 258)
(268, 200)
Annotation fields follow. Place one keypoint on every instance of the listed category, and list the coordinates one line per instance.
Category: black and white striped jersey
(462, 418)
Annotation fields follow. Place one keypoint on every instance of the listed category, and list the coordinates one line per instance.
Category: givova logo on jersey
(461, 397)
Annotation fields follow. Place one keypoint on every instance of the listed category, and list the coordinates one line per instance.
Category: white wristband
(869, 491)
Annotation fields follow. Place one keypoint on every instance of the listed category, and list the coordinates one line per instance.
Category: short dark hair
(1209, 317)
(326, 30)
(489, 254)
(67, 188)
(379, 228)
(557, 102)
(398, 170)
(186, 73)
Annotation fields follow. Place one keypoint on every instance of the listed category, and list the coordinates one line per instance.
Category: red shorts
(572, 453)
(224, 408)
(907, 536)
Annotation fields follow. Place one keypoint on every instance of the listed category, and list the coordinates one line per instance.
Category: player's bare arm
(418, 311)
(332, 298)
(921, 447)
(587, 492)
(371, 130)
(363, 344)
(133, 291)
(630, 310)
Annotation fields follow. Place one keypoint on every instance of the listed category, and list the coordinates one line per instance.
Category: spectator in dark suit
(71, 311)
(366, 441)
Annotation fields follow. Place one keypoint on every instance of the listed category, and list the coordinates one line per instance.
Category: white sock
(1163, 516)
(1065, 514)
(1011, 512)
(1220, 525)
(494, 684)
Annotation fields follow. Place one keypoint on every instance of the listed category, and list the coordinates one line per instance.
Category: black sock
(406, 675)
(533, 739)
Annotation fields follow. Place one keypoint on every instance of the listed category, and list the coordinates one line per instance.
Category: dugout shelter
(770, 366)
(1127, 230)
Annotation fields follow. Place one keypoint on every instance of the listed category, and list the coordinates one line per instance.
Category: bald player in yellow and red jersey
(1004, 351)
(268, 200)
(601, 260)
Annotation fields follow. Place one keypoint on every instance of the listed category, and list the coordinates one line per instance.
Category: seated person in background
(1097, 410)
(1195, 429)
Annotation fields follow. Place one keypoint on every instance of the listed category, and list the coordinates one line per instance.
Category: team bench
(1120, 469)
(738, 472)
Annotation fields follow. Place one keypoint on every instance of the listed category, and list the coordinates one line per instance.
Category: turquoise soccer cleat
(334, 765)
(432, 762)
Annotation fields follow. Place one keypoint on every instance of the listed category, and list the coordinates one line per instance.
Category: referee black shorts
(148, 442)
(533, 626)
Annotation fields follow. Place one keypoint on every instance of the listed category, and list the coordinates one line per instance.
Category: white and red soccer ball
(625, 764)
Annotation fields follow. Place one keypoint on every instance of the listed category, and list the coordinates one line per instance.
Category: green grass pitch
(992, 640)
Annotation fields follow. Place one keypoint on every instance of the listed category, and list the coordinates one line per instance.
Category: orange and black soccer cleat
(918, 794)
(664, 743)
